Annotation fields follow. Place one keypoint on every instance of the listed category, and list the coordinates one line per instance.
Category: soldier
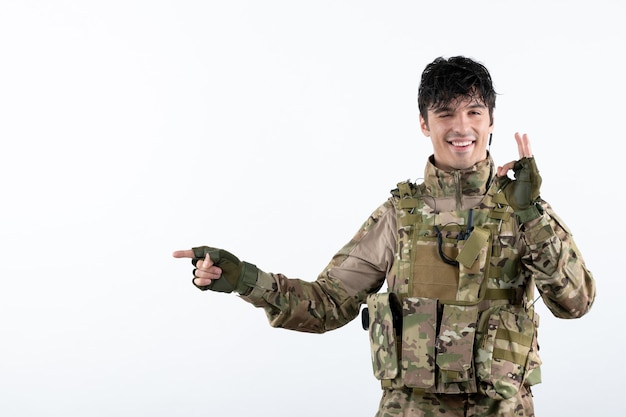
(461, 252)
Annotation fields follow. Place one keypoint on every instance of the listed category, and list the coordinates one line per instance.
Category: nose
(461, 123)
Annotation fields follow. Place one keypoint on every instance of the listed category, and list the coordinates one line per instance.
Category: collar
(473, 181)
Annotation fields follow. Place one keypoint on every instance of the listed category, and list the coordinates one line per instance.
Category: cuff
(259, 284)
(531, 213)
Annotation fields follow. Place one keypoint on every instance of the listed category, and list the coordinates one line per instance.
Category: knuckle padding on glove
(523, 193)
(521, 187)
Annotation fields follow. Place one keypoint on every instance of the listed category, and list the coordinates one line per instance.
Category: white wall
(273, 129)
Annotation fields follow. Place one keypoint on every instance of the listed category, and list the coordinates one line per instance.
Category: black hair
(446, 80)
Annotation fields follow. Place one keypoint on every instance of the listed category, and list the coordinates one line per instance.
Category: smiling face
(459, 132)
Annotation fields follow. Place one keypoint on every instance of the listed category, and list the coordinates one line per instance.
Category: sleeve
(564, 282)
(335, 297)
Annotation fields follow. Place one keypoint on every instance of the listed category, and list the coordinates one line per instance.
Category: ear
(424, 126)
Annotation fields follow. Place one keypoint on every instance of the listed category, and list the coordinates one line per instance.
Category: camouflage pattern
(483, 352)
(461, 290)
(455, 349)
(419, 329)
(382, 332)
(566, 286)
(297, 305)
(406, 402)
(508, 351)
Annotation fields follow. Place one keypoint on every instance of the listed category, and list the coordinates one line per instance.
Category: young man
(462, 253)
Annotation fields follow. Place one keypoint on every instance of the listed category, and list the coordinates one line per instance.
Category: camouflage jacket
(547, 251)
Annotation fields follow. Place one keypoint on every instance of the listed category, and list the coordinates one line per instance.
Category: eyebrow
(443, 109)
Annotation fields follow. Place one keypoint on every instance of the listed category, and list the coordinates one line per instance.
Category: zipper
(458, 189)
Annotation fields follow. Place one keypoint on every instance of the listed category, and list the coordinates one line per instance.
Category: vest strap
(410, 219)
(514, 295)
(408, 203)
(499, 198)
(500, 213)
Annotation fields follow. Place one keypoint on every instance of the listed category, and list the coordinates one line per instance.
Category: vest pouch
(384, 320)
(503, 351)
(455, 349)
(472, 258)
(533, 364)
(419, 323)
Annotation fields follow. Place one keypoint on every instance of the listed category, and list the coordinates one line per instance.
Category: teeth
(464, 143)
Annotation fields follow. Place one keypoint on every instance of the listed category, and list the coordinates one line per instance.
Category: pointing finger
(183, 254)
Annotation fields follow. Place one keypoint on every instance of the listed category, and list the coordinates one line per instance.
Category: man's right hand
(219, 270)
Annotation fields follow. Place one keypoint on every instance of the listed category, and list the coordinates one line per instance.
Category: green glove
(236, 276)
(523, 192)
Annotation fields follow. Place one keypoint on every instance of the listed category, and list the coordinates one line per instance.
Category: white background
(133, 128)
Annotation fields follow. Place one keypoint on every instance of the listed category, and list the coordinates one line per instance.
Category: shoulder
(387, 212)
(383, 213)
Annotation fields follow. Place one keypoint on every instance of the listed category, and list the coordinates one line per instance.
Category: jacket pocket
(504, 345)
(419, 322)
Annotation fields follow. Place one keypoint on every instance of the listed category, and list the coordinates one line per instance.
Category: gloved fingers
(522, 173)
(203, 278)
(204, 253)
(535, 178)
(201, 284)
(205, 269)
(504, 169)
(217, 255)
(526, 188)
(201, 252)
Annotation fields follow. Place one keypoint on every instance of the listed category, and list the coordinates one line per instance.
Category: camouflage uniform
(479, 356)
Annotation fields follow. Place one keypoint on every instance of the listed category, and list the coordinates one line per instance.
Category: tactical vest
(457, 316)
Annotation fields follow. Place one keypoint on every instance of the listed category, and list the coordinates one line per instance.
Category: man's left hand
(524, 191)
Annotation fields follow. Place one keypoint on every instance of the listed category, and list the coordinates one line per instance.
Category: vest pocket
(503, 348)
(455, 347)
(419, 322)
(383, 321)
